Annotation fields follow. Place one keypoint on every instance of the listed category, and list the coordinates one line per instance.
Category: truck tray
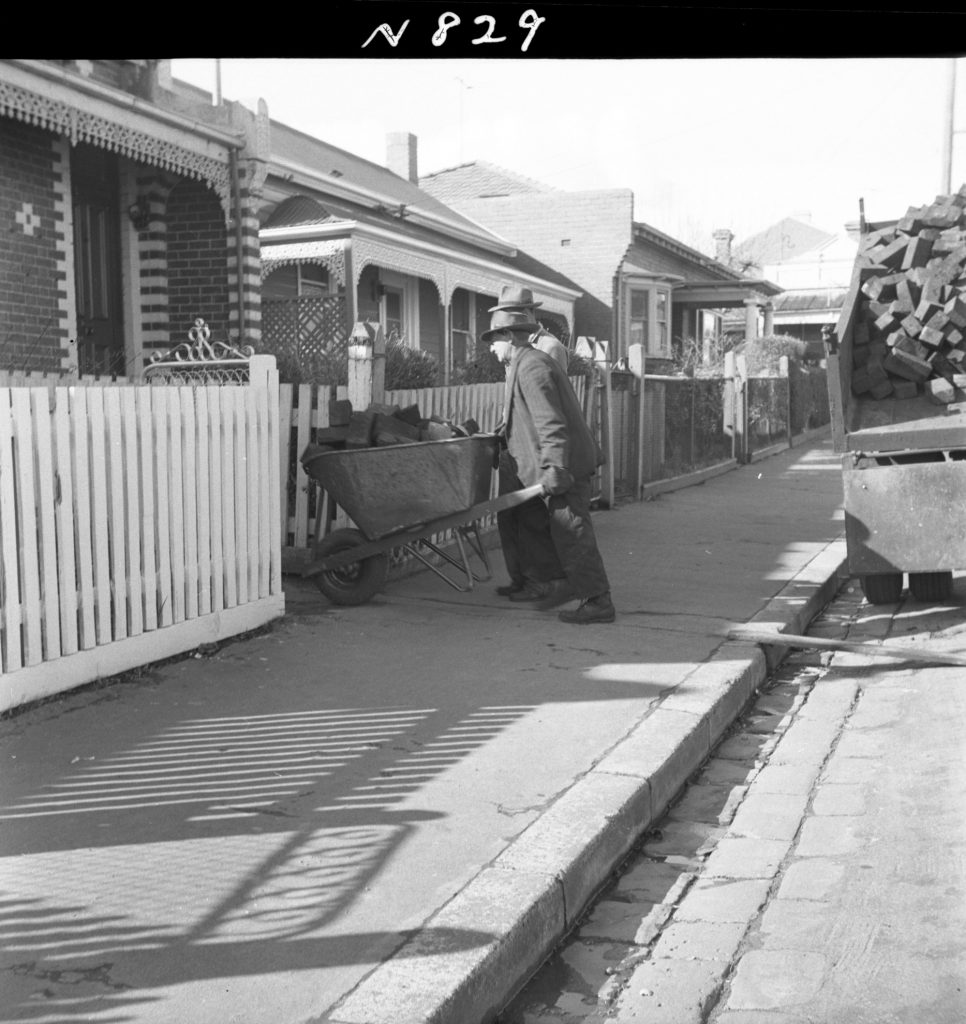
(401, 487)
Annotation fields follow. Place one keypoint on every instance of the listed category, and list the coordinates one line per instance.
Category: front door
(97, 264)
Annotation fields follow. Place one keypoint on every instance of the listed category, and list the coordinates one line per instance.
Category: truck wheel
(883, 588)
(356, 582)
(930, 586)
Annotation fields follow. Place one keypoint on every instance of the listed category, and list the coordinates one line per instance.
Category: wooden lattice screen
(309, 333)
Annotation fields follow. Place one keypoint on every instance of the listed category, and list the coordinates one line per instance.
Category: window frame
(651, 325)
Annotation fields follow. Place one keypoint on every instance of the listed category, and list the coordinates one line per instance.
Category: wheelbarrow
(399, 496)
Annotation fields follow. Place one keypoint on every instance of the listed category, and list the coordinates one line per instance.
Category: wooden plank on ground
(773, 637)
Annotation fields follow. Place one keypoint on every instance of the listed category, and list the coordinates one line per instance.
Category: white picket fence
(136, 522)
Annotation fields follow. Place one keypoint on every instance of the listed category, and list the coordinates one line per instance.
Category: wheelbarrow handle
(514, 498)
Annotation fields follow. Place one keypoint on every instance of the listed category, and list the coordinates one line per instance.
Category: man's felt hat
(512, 296)
(510, 320)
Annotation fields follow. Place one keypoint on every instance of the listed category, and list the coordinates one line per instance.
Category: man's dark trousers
(575, 542)
(525, 533)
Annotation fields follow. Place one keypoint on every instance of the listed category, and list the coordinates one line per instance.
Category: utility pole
(949, 131)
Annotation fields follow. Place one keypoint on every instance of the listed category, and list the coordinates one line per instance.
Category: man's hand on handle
(556, 480)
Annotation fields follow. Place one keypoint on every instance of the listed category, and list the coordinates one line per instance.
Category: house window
(398, 296)
(648, 320)
(296, 280)
(391, 313)
(463, 346)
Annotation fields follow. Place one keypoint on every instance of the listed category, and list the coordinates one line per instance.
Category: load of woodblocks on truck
(384, 425)
(909, 337)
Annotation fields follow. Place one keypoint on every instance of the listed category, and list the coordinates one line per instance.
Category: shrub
(484, 369)
(408, 368)
(763, 354)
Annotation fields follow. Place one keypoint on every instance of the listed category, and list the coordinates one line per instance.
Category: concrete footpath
(390, 814)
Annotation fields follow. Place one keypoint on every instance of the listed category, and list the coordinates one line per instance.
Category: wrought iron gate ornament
(199, 361)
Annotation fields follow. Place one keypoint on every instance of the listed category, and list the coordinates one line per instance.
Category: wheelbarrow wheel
(930, 586)
(882, 588)
(356, 582)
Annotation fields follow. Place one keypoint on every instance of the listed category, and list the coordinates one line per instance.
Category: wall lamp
(139, 213)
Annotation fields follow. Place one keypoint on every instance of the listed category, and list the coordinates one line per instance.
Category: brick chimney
(401, 155)
(723, 238)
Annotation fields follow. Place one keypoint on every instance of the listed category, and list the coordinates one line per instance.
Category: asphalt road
(815, 871)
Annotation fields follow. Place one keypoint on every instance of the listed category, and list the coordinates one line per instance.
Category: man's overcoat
(543, 420)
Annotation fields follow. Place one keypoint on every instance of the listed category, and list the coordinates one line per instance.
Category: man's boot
(591, 609)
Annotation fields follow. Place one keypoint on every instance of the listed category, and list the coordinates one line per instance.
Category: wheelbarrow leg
(462, 563)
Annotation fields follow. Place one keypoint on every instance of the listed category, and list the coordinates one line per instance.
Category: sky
(708, 143)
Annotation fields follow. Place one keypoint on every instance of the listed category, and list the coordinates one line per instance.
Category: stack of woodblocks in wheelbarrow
(382, 426)
(910, 336)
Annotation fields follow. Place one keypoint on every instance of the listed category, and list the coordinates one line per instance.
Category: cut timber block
(911, 325)
(917, 252)
(945, 368)
(926, 310)
(940, 391)
(892, 254)
(907, 366)
(904, 343)
(941, 215)
(930, 336)
(390, 430)
(861, 380)
(881, 389)
(905, 389)
(908, 291)
(885, 323)
(955, 309)
(340, 412)
(334, 436)
(938, 320)
(410, 414)
(430, 430)
(912, 221)
(360, 429)
(860, 355)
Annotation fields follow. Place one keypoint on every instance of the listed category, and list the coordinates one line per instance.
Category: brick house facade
(126, 214)
(639, 284)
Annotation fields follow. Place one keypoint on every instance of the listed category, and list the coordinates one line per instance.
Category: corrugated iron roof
(810, 299)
